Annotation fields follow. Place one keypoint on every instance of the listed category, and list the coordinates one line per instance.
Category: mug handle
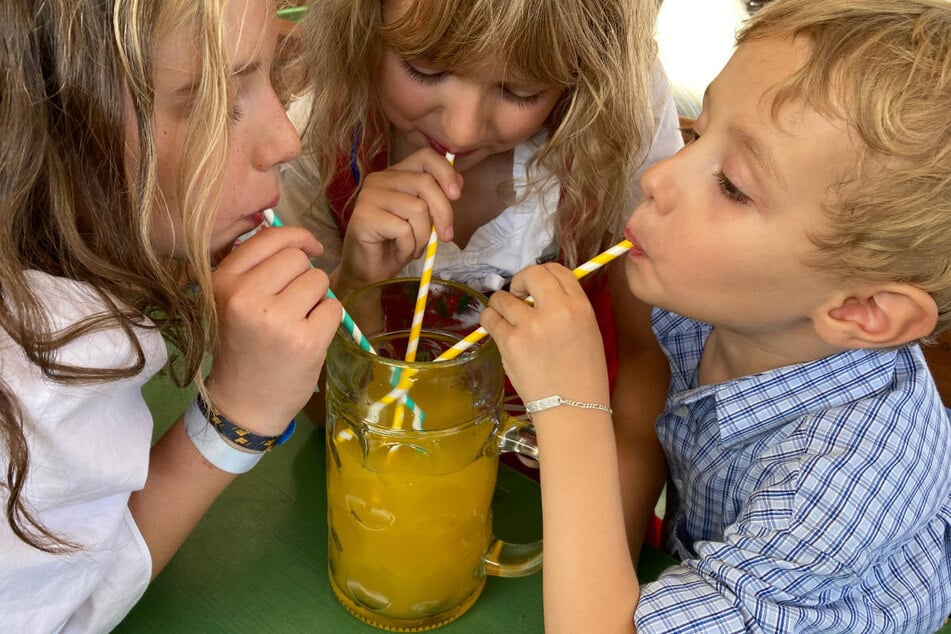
(504, 559)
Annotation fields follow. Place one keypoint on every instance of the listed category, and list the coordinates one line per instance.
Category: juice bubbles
(409, 510)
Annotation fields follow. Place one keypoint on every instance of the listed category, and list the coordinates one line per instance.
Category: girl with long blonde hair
(138, 141)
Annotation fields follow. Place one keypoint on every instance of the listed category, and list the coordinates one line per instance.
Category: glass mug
(409, 510)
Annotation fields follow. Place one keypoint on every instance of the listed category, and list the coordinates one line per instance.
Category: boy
(796, 252)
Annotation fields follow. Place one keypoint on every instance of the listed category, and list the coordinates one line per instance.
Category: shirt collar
(751, 405)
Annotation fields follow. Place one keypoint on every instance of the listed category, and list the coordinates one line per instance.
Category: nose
(464, 117)
(280, 141)
(658, 183)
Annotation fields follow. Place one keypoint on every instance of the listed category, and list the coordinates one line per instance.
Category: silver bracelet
(213, 447)
(556, 401)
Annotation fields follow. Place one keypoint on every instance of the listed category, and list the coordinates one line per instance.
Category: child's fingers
(446, 178)
(423, 186)
(510, 308)
(548, 346)
(302, 293)
(275, 323)
(555, 278)
(541, 281)
(429, 161)
(265, 244)
(388, 215)
(268, 271)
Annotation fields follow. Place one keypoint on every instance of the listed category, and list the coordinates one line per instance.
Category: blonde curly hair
(884, 67)
(76, 93)
(600, 52)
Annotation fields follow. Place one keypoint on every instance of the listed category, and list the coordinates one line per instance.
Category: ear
(883, 317)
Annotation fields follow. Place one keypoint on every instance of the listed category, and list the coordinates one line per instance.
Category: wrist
(225, 444)
(237, 435)
(556, 400)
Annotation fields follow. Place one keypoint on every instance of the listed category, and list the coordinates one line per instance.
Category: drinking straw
(424, 279)
(292, 14)
(348, 324)
(476, 335)
(402, 380)
(351, 327)
(580, 271)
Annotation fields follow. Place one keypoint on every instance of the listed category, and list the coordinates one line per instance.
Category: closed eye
(520, 100)
(417, 75)
(729, 189)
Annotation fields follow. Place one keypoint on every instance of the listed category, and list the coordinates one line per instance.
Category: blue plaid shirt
(810, 498)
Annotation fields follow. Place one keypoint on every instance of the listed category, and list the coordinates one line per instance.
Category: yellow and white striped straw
(580, 271)
(404, 377)
(478, 334)
(424, 279)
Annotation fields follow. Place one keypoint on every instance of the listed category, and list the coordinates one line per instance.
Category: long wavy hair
(76, 90)
(883, 67)
(600, 52)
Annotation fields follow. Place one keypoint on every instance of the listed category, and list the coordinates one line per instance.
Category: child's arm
(639, 394)
(392, 218)
(274, 329)
(555, 348)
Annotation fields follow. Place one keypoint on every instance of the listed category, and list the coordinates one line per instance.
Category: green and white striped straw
(352, 329)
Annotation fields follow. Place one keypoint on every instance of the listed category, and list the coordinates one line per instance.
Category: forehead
(177, 51)
(798, 138)
(494, 38)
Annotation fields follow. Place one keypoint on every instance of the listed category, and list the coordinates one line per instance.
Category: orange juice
(409, 497)
(410, 516)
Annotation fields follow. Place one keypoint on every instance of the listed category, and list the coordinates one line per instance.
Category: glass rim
(477, 350)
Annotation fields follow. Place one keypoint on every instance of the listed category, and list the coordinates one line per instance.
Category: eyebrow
(762, 155)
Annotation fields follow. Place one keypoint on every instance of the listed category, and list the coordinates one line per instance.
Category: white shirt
(89, 449)
(518, 237)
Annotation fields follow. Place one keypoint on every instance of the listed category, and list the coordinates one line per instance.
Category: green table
(257, 562)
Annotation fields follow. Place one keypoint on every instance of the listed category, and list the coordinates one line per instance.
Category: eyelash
(729, 189)
(430, 79)
(519, 100)
(726, 186)
(427, 79)
(236, 114)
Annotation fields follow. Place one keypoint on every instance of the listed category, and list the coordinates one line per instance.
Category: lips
(636, 251)
(436, 145)
(442, 149)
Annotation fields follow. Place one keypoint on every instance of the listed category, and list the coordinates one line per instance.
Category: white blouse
(89, 449)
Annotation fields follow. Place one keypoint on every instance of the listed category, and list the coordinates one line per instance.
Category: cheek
(165, 226)
(519, 123)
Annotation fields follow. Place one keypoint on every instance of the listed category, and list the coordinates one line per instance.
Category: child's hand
(393, 215)
(275, 324)
(554, 347)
